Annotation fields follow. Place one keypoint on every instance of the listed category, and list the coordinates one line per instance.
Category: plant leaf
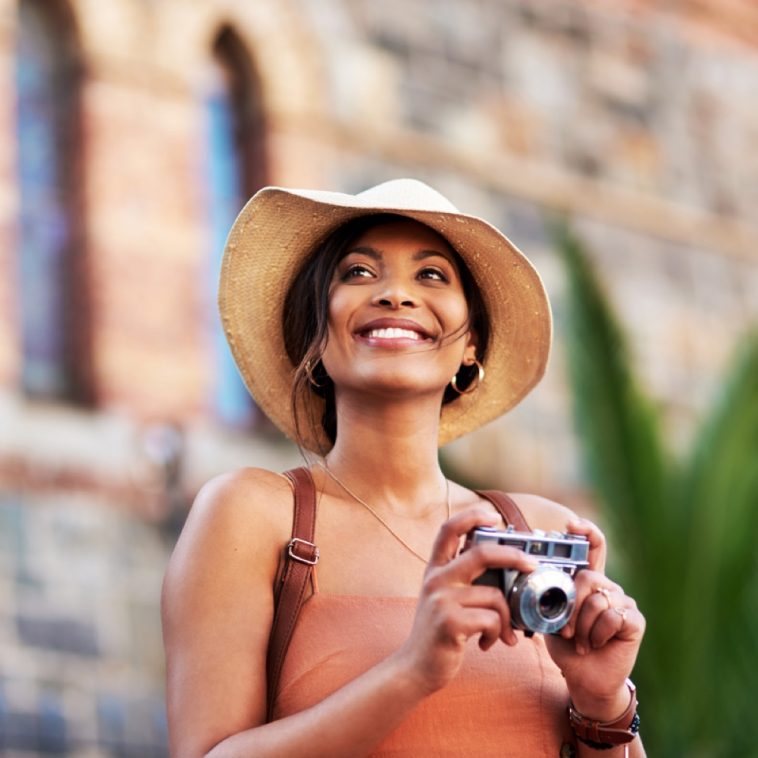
(719, 491)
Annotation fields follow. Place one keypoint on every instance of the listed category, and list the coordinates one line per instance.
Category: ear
(469, 352)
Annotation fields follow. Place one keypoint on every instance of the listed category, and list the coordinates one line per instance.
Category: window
(235, 169)
(50, 250)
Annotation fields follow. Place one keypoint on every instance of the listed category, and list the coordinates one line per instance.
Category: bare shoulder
(238, 521)
(542, 513)
(245, 499)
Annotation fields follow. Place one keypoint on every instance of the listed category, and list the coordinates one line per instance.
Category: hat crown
(406, 194)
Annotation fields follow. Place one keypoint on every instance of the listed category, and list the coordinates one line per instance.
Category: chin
(404, 383)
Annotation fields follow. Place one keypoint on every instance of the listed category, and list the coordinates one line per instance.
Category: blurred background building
(131, 132)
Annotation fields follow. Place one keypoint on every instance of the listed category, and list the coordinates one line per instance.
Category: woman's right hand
(451, 609)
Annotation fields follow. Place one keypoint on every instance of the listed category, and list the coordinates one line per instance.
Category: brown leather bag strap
(510, 512)
(300, 556)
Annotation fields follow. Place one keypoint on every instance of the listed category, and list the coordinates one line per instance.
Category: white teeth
(394, 333)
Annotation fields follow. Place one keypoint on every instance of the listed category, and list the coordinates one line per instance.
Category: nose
(395, 300)
(394, 294)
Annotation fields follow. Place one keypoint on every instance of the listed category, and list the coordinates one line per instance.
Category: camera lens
(542, 601)
(552, 603)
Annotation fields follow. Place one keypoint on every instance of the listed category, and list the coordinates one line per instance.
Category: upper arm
(217, 608)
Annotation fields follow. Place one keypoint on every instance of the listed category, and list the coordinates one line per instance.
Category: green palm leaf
(683, 535)
(719, 492)
(617, 424)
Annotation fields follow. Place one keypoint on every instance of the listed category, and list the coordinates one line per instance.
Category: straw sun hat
(278, 229)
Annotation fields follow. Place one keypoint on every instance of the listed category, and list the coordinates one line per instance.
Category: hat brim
(279, 228)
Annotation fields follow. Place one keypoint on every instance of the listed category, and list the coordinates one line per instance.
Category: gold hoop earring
(473, 387)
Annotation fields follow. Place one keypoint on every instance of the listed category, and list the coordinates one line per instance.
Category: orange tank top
(504, 702)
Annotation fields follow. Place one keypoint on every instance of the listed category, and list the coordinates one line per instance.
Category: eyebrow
(419, 255)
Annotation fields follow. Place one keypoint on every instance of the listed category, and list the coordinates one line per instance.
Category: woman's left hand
(597, 649)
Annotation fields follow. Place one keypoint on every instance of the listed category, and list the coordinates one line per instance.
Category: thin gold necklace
(377, 516)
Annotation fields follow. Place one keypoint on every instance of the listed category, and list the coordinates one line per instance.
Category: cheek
(339, 307)
(456, 312)
(342, 304)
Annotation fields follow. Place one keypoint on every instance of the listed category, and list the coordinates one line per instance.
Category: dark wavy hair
(305, 322)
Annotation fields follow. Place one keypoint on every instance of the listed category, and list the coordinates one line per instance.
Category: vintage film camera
(543, 600)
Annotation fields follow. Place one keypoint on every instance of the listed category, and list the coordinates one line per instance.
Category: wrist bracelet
(604, 735)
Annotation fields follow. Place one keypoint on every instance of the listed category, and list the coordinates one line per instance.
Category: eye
(433, 273)
(356, 271)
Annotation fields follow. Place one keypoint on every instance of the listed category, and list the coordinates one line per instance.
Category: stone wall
(80, 584)
(639, 122)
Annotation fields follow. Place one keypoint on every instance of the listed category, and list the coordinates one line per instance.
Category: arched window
(235, 170)
(51, 266)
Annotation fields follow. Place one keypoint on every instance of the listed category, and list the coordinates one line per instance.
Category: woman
(348, 316)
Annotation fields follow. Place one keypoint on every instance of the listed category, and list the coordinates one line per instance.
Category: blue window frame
(47, 115)
(233, 173)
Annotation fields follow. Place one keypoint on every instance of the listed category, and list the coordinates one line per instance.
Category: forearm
(350, 722)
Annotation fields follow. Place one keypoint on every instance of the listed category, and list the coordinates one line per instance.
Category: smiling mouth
(394, 333)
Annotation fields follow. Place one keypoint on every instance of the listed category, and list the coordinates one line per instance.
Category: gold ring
(605, 593)
(621, 612)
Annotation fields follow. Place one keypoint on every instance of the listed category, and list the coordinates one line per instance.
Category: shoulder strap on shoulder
(300, 556)
(510, 512)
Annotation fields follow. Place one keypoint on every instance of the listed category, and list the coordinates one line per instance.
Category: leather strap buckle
(292, 547)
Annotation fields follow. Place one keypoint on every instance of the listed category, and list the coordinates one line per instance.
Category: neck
(387, 453)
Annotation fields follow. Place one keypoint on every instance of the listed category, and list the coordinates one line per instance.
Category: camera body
(542, 600)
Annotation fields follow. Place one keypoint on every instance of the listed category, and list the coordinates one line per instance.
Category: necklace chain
(376, 515)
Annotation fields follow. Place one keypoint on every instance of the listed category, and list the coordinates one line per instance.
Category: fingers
(471, 564)
(594, 630)
(496, 624)
(448, 590)
(466, 567)
(596, 538)
(448, 540)
(603, 612)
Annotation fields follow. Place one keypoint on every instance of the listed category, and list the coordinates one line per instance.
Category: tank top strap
(507, 507)
(300, 557)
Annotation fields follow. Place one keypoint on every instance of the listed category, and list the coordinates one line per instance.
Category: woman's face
(398, 318)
